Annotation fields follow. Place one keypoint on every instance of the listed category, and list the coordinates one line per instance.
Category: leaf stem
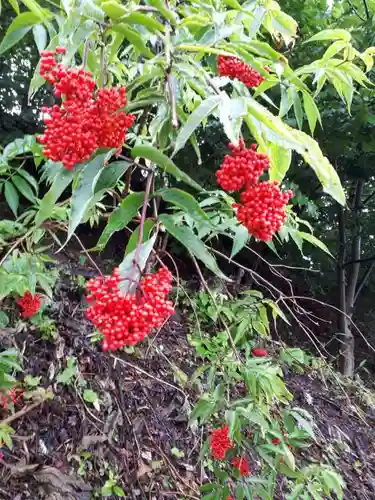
(143, 218)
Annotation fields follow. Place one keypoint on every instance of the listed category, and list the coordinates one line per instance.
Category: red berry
(276, 441)
(235, 68)
(258, 352)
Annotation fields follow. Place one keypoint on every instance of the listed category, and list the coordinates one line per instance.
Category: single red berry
(276, 441)
(258, 352)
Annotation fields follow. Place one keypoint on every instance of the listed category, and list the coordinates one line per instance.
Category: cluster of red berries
(85, 120)
(242, 167)
(235, 68)
(30, 304)
(242, 465)
(262, 207)
(220, 442)
(126, 319)
(14, 395)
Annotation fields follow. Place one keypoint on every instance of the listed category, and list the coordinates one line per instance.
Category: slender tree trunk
(346, 359)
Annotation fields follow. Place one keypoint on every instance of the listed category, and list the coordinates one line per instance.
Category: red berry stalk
(235, 68)
(242, 167)
(84, 121)
(127, 319)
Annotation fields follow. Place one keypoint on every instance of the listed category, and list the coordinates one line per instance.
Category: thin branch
(368, 198)
(356, 11)
(366, 9)
(21, 413)
(143, 218)
(85, 54)
(87, 254)
(363, 281)
(368, 259)
(172, 96)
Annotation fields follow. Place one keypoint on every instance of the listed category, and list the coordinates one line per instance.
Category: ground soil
(65, 448)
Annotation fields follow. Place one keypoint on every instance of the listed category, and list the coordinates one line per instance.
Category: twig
(172, 96)
(85, 54)
(143, 218)
(140, 370)
(21, 413)
(87, 254)
(15, 245)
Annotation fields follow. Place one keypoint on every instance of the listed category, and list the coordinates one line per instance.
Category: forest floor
(66, 448)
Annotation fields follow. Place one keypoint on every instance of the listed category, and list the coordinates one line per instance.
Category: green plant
(110, 486)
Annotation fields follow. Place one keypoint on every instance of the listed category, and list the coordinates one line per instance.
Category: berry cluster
(85, 120)
(242, 167)
(30, 304)
(14, 395)
(242, 465)
(235, 68)
(262, 207)
(126, 319)
(220, 442)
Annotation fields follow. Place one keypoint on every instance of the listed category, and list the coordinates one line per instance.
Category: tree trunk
(346, 358)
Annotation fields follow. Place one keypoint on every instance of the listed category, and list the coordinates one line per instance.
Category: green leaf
(12, 38)
(266, 126)
(195, 119)
(121, 217)
(70, 371)
(11, 197)
(188, 238)
(280, 159)
(330, 35)
(90, 396)
(314, 241)
(32, 381)
(130, 271)
(297, 106)
(111, 174)
(62, 180)
(30, 179)
(241, 237)
(155, 156)
(163, 9)
(90, 9)
(134, 38)
(23, 187)
(311, 111)
(40, 36)
(185, 201)
(85, 190)
(14, 4)
(289, 458)
(118, 491)
(4, 319)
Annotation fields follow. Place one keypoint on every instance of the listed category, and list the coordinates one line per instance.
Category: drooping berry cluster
(242, 167)
(220, 442)
(235, 68)
(126, 319)
(84, 121)
(262, 207)
(30, 304)
(242, 465)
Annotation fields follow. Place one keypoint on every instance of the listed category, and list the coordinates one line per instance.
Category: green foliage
(9, 364)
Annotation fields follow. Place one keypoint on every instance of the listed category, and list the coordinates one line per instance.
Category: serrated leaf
(241, 237)
(85, 190)
(30, 179)
(280, 160)
(110, 175)
(155, 156)
(188, 238)
(134, 38)
(12, 38)
(121, 217)
(195, 119)
(314, 241)
(11, 197)
(335, 34)
(185, 201)
(311, 111)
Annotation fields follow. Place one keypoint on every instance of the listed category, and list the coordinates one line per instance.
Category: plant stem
(168, 74)
(85, 54)
(143, 218)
